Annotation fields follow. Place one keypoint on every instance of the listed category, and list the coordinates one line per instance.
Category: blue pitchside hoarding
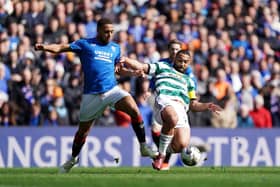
(50, 147)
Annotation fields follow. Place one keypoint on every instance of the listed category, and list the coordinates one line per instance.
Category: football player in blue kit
(100, 61)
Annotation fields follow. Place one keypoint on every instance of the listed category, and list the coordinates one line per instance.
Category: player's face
(181, 62)
(105, 33)
(173, 49)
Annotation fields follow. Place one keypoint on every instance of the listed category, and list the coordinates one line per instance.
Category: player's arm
(53, 48)
(135, 65)
(197, 106)
(122, 70)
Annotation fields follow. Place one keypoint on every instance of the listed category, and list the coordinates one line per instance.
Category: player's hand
(139, 73)
(39, 47)
(122, 59)
(214, 108)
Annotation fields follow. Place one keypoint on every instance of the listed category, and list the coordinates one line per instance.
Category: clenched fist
(39, 47)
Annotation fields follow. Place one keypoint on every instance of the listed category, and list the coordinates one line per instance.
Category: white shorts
(181, 110)
(93, 105)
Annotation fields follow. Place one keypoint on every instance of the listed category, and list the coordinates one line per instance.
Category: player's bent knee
(171, 120)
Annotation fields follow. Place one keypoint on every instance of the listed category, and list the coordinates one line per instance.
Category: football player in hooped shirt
(99, 57)
(175, 95)
(173, 47)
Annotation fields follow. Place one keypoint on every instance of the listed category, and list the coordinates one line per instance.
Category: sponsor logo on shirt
(103, 55)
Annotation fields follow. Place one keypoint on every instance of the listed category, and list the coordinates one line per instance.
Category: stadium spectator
(222, 88)
(234, 77)
(13, 37)
(23, 94)
(122, 22)
(202, 80)
(8, 115)
(271, 94)
(53, 31)
(17, 11)
(4, 44)
(259, 114)
(3, 79)
(142, 93)
(247, 93)
(13, 65)
(256, 80)
(201, 55)
(59, 75)
(33, 16)
(152, 55)
(58, 104)
(37, 118)
(52, 118)
(244, 120)
(137, 30)
(3, 13)
(73, 92)
(275, 102)
(228, 116)
(69, 10)
(47, 96)
(90, 25)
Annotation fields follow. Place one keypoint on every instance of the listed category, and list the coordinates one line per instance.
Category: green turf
(142, 177)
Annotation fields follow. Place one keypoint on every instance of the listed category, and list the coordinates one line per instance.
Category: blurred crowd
(235, 47)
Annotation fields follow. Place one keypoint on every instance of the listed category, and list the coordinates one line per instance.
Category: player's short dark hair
(184, 51)
(102, 22)
(174, 41)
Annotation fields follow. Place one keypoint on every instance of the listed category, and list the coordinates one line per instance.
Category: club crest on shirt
(113, 48)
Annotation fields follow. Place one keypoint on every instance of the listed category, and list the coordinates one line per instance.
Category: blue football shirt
(98, 64)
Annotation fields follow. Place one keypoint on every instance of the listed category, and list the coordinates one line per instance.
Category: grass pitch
(142, 177)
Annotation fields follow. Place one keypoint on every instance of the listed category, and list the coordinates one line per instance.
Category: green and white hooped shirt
(171, 83)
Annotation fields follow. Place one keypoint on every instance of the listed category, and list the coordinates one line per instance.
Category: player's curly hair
(183, 51)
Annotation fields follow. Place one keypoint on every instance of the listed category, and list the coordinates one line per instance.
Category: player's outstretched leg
(139, 129)
(155, 131)
(79, 141)
(128, 105)
(165, 165)
(165, 140)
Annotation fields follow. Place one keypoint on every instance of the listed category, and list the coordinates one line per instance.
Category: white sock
(164, 141)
